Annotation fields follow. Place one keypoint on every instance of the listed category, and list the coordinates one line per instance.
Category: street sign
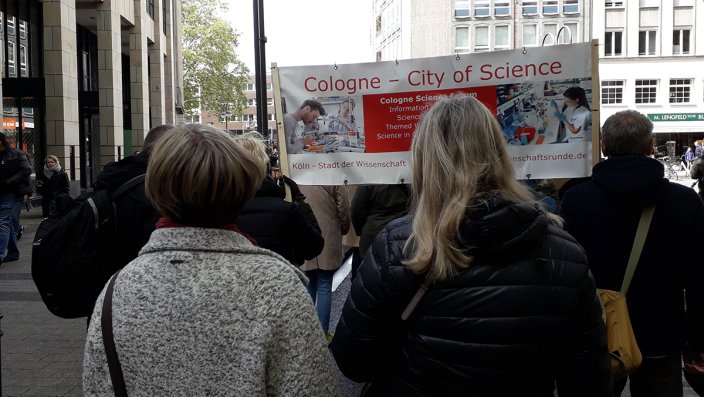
(676, 116)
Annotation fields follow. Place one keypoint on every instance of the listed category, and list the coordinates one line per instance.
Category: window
(612, 91)
(2, 46)
(645, 91)
(23, 30)
(462, 8)
(614, 4)
(529, 7)
(550, 31)
(681, 41)
(11, 26)
(23, 61)
(250, 87)
(550, 7)
(270, 116)
(251, 102)
(613, 44)
(11, 56)
(570, 33)
(378, 25)
(501, 8)
(462, 42)
(571, 6)
(647, 42)
(482, 39)
(528, 37)
(501, 37)
(482, 8)
(270, 101)
(150, 8)
(269, 86)
(679, 90)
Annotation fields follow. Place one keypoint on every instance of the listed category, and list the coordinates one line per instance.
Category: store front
(682, 128)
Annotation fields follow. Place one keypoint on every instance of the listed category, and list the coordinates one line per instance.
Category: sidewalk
(42, 354)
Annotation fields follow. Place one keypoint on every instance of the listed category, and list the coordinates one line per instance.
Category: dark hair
(153, 136)
(579, 94)
(3, 140)
(314, 105)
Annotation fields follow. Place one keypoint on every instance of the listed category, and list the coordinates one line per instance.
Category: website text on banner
(354, 123)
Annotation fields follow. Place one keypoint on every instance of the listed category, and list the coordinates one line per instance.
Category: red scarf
(165, 222)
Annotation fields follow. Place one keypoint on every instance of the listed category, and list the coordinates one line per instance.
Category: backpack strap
(641, 232)
(128, 185)
(106, 323)
(416, 299)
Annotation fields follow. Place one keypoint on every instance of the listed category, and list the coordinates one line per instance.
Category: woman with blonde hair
(289, 229)
(51, 184)
(202, 310)
(477, 292)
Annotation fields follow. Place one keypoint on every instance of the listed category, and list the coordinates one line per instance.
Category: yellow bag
(621, 343)
(624, 352)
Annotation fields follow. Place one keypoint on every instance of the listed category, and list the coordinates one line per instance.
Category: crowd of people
(464, 282)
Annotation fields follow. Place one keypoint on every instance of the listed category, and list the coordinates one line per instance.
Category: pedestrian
(14, 185)
(288, 228)
(699, 149)
(478, 291)
(51, 184)
(376, 205)
(331, 205)
(688, 158)
(603, 214)
(202, 310)
(696, 172)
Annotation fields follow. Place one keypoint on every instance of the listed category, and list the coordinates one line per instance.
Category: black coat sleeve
(585, 367)
(64, 186)
(360, 208)
(24, 170)
(366, 338)
(306, 239)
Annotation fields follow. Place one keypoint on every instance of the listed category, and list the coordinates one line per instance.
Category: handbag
(621, 343)
(106, 323)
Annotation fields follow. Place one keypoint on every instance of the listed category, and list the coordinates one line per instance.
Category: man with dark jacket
(696, 172)
(14, 183)
(374, 206)
(136, 217)
(603, 214)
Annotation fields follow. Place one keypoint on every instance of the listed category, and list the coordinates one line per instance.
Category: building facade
(85, 80)
(245, 121)
(651, 60)
(427, 28)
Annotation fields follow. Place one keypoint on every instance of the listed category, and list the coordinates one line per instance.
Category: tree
(214, 77)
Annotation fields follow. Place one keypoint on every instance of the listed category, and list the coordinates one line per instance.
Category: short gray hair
(627, 132)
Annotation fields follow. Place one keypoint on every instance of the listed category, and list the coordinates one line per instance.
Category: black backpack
(74, 255)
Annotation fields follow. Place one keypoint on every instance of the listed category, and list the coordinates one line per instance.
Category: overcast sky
(306, 32)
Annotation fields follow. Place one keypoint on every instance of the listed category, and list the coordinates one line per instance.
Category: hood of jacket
(117, 173)
(631, 180)
(269, 188)
(501, 229)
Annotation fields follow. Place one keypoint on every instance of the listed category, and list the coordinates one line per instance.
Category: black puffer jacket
(289, 229)
(523, 315)
(15, 172)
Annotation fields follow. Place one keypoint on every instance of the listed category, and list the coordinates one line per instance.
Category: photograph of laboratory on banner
(355, 123)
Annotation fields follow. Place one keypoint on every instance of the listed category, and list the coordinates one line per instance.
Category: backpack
(74, 255)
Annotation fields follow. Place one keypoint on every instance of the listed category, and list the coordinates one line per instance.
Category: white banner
(358, 124)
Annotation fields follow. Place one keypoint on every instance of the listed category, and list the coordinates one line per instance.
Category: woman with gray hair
(202, 310)
(479, 291)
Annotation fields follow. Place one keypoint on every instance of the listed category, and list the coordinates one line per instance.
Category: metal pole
(260, 67)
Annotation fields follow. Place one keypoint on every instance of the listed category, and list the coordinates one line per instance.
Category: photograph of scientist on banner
(546, 112)
(325, 125)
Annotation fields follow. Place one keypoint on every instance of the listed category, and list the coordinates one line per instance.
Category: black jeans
(657, 377)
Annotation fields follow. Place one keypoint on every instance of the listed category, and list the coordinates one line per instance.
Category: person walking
(665, 298)
(202, 310)
(478, 291)
(14, 184)
(331, 205)
(51, 183)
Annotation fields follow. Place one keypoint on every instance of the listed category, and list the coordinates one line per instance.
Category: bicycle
(670, 167)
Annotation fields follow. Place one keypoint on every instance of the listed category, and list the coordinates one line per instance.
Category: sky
(306, 32)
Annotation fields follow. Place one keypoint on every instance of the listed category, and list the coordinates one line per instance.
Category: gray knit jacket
(205, 312)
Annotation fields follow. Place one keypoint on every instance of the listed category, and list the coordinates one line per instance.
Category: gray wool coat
(205, 312)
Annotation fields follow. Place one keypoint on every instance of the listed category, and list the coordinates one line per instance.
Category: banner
(354, 123)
